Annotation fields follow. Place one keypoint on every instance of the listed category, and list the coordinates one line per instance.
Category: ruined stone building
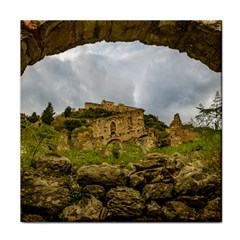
(179, 133)
(111, 107)
(126, 123)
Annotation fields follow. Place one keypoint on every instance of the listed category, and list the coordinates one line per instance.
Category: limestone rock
(153, 209)
(124, 203)
(105, 175)
(137, 181)
(157, 191)
(146, 164)
(80, 212)
(33, 218)
(187, 180)
(210, 186)
(200, 39)
(178, 211)
(156, 156)
(104, 214)
(212, 211)
(47, 196)
(196, 202)
(53, 164)
(140, 178)
(97, 191)
(192, 181)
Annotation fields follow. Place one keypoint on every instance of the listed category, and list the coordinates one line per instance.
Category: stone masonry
(126, 124)
(178, 132)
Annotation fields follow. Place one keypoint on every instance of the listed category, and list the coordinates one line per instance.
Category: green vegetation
(48, 114)
(207, 148)
(45, 135)
(68, 112)
(33, 118)
(210, 117)
(93, 113)
(152, 122)
(121, 154)
(81, 196)
(36, 141)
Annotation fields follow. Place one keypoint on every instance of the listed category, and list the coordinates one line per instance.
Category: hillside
(147, 178)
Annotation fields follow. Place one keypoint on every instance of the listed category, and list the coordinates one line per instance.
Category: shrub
(70, 125)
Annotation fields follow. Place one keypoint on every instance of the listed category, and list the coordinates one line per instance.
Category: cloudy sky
(158, 79)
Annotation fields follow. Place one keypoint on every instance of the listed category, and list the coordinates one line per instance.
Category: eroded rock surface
(104, 174)
(171, 191)
(199, 39)
(178, 211)
(54, 165)
(43, 195)
(83, 211)
(124, 202)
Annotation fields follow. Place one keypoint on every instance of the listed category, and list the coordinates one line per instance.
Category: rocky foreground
(156, 189)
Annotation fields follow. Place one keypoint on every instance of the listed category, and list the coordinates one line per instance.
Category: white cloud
(158, 79)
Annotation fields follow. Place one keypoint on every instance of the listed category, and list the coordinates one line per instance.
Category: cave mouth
(201, 40)
(132, 73)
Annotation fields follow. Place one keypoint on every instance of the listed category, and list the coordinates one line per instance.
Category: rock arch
(199, 39)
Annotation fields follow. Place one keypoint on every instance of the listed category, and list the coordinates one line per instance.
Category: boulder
(33, 218)
(89, 211)
(153, 209)
(157, 191)
(212, 211)
(105, 175)
(53, 164)
(187, 180)
(137, 181)
(210, 186)
(146, 164)
(124, 203)
(140, 178)
(156, 156)
(196, 202)
(193, 181)
(178, 211)
(97, 191)
(44, 196)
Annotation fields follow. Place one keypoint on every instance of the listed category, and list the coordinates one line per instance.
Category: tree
(33, 118)
(210, 117)
(48, 113)
(68, 111)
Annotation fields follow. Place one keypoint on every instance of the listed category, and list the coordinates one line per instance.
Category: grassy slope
(204, 151)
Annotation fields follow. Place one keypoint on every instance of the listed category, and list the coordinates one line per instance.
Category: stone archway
(199, 39)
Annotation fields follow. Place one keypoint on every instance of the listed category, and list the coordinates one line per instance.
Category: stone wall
(201, 40)
(128, 125)
(110, 106)
(179, 133)
(156, 189)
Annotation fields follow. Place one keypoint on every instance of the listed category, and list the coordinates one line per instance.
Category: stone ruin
(127, 123)
(179, 133)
